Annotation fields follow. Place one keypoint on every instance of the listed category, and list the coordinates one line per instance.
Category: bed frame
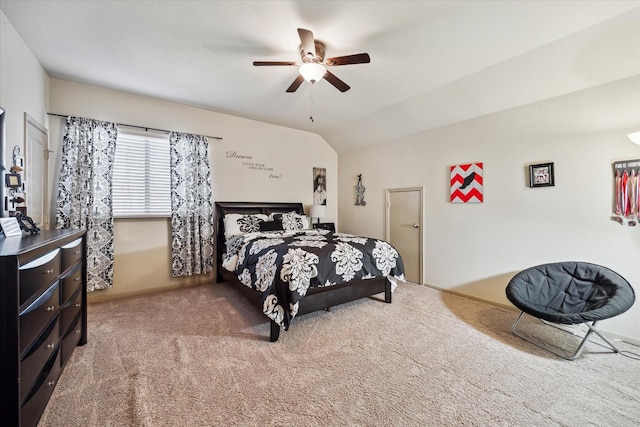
(316, 298)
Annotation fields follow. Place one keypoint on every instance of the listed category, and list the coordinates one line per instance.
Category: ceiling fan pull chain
(311, 104)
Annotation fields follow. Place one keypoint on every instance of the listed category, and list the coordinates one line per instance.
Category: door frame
(387, 228)
(31, 125)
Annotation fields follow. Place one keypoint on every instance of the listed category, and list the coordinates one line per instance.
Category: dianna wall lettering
(236, 155)
(256, 166)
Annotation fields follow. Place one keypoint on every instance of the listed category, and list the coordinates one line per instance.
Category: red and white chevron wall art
(466, 183)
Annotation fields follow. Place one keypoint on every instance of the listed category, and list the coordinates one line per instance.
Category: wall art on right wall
(627, 192)
(467, 183)
(541, 175)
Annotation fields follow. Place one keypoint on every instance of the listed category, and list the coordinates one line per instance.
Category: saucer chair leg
(578, 351)
(592, 328)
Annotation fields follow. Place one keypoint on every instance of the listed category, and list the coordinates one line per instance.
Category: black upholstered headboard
(246, 208)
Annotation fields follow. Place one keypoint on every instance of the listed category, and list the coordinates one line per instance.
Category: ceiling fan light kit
(313, 66)
(312, 72)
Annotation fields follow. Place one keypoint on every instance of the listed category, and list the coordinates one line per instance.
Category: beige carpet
(200, 357)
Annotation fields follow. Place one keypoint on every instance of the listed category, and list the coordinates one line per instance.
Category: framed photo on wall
(319, 186)
(12, 180)
(541, 175)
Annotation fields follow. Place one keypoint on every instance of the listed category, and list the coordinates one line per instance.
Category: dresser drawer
(38, 274)
(71, 254)
(71, 339)
(70, 310)
(70, 284)
(37, 356)
(33, 408)
(35, 317)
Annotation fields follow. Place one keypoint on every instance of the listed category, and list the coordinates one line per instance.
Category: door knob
(416, 226)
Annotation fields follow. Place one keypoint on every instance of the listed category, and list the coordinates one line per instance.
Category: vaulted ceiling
(432, 62)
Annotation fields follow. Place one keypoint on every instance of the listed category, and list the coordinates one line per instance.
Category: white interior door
(37, 171)
(404, 228)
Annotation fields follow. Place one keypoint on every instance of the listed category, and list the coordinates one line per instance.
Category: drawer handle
(77, 252)
(78, 331)
(50, 383)
(77, 279)
(78, 304)
(53, 307)
(48, 271)
(51, 345)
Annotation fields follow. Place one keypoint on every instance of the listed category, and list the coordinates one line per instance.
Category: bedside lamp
(318, 211)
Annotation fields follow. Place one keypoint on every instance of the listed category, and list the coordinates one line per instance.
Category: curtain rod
(138, 127)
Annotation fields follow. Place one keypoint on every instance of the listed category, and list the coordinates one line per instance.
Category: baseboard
(574, 329)
(95, 298)
(473, 297)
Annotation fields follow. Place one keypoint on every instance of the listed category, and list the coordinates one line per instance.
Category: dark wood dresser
(43, 317)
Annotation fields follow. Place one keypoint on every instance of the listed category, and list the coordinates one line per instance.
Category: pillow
(293, 220)
(236, 224)
(274, 225)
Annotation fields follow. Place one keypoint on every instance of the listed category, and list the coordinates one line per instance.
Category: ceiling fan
(313, 66)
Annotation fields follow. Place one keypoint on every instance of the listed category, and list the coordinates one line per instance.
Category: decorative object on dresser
(10, 227)
(43, 309)
(26, 223)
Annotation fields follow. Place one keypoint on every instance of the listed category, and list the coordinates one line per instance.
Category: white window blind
(141, 176)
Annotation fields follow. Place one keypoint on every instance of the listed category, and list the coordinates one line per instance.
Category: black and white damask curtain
(191, 208)
(84, 193)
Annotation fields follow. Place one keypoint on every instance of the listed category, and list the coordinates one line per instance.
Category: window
(141, 176)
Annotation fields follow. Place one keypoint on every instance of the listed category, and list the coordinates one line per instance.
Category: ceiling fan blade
(307, 41)
(263, 63)
(359, 58)
(339, 84)
(296, 84)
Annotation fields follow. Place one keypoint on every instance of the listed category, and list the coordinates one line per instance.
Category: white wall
(142, 246)
(24, 87)
(282, 171)
(474, 249)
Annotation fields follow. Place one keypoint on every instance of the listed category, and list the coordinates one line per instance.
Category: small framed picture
(541, 175)
(12, 180)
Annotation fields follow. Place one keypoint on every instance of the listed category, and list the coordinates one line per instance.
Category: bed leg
(275, 332)
(387, 291)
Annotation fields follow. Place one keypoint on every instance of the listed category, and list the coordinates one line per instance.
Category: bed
(280, 300)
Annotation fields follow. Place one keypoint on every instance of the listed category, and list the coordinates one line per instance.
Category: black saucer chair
(570, 293)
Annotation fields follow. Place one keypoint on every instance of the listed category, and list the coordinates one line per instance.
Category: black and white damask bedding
(282, 265)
